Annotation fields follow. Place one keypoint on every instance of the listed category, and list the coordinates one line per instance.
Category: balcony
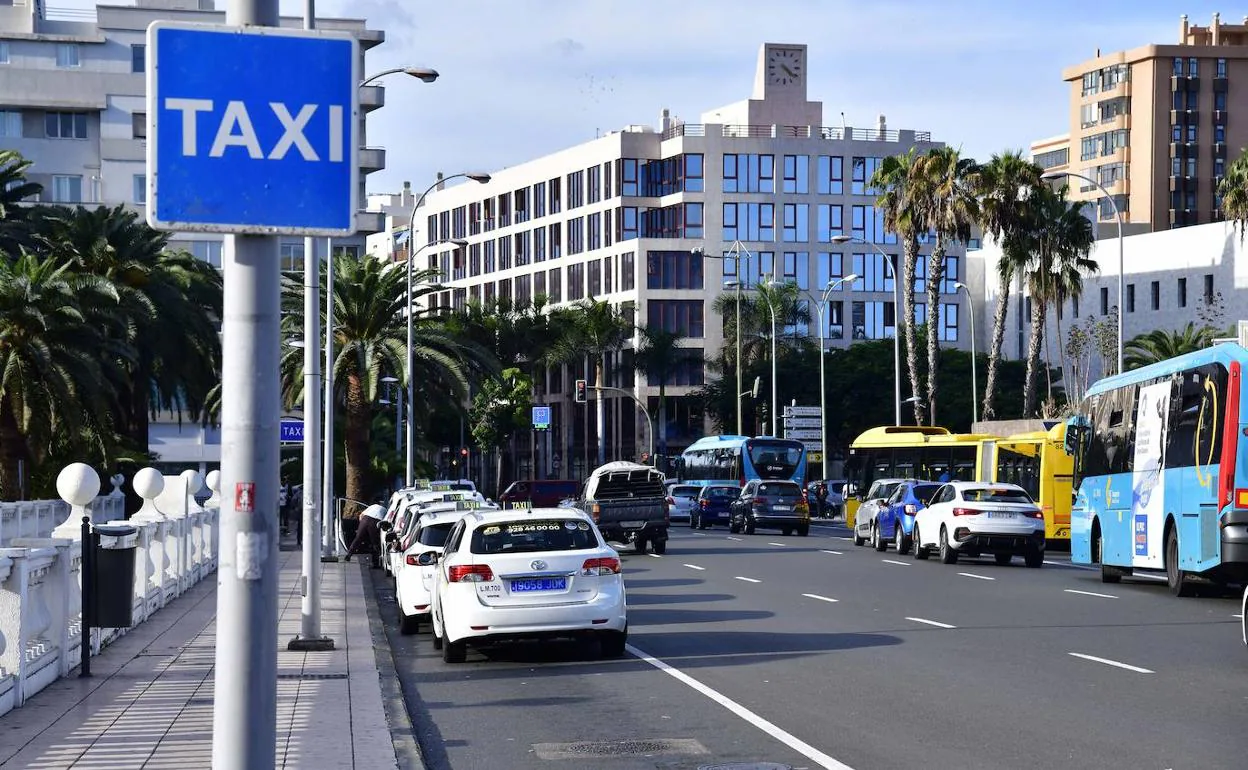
(1193, 83)
(372, 159)
(1178, 184)
(1219, 117)
(1178, 83)
(1219, 149)
(1219, 84)
(1178, 150)
(1179, 117)
(1182, 217)
(372, 97)
(369, 222)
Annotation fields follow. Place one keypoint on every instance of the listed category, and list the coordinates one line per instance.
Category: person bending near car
(368, 534)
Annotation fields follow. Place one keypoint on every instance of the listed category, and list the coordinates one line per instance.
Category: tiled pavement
(149, 701)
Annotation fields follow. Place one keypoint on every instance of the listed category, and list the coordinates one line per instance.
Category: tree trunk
(601, 409)
(356, 439)
(139, 408)
(1061, 352)
(912, 343)
(935, 277)
(663, 417)
(12, 453)
(999, 318)
(1033, 358)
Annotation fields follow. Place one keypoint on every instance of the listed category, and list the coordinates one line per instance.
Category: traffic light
(579, 396)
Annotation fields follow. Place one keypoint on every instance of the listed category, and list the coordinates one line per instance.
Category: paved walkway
(149, 703)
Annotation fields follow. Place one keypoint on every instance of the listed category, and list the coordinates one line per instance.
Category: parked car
(541, 493)
(526, 573)
(628, 503)
(875, 499)
(682, 499)
(894, 520)
(408, 508)
(772, 504)
(714, 504)
(973, 517)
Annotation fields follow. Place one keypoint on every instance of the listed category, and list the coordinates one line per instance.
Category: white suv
(971, 517)
(537, 573)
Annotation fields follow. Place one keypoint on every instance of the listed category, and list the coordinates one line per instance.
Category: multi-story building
(627, 217)
(73, 101)
(1156, 126)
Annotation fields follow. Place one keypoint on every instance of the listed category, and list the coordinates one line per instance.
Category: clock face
(784, 66)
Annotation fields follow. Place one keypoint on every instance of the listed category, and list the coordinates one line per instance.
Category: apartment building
(73, 101)
(1156, 126)
(644, 218)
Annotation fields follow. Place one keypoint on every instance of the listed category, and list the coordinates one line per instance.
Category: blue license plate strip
(539, 584)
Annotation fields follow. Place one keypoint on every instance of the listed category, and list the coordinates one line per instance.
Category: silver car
(683, 498)
(872, 502)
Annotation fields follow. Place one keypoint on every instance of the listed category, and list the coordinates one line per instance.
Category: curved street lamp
(974, 386)
(424, 74)
(820, 306)
(888, 262)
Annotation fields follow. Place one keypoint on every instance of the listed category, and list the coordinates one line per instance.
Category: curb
(402, 732)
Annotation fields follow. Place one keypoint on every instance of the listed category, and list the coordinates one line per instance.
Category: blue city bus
(1161, 471)
(738, 459)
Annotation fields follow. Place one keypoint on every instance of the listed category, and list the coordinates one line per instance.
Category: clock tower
(781, 72)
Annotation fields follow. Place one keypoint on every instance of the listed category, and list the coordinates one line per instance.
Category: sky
(524, 78)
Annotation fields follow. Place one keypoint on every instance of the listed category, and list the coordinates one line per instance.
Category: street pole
(245, 673)
(329, 527)
(640, 406)
(738, 325)
(821, 306)
(775, 406)
(309, 637)
(974, 385)
(888, 262)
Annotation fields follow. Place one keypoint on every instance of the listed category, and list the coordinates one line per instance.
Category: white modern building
(621, 218)
(73, 101)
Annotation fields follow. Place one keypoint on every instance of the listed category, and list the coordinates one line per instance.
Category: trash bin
(112, 575)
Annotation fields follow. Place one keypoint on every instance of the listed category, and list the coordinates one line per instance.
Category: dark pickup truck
(629, 503)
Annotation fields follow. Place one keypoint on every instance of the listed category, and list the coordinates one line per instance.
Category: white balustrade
(41, 624)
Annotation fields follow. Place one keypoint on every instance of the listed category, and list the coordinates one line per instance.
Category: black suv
(773, 504)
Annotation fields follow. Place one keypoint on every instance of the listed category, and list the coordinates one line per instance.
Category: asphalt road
(809, 652)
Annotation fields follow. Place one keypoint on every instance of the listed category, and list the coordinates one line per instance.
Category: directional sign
(802, 422)
(802, 411)
(541, 417)
(252, 130)
(292, 431)
(801, 434)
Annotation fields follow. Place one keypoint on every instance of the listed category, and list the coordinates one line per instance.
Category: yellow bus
(1036, 461)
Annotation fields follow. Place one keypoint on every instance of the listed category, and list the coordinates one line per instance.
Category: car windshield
(925, 492)
(435, 534)
(884, 491)
(779, 489)
(774, 459)
(995, 495)
(685, 491)
(531, 535)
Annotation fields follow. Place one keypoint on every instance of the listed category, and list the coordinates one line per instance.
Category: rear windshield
(685, 491)
(622, 485)
(925, 492)
(435, 534)
(774, 459)
(995, 496)
(721, 492)
(533, 535)
(778, 488)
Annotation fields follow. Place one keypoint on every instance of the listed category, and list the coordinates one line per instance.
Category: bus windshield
(774, 459)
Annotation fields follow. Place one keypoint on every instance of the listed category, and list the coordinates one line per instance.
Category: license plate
(539, 584)
(1001, 514)
(782, 507)
(632, 524)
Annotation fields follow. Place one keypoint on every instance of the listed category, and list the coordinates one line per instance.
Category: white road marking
(1088, 593)
(821, 598)
(748, 580)
(894, 561)
(1241, 617)
(781, 545)
(849, 539)
(655, 555)
(694, 566)
(931, 622)
(835, 553)
(1113, 663)
(730, 537)
(977, 577)
(1067, 564)
(788, 739)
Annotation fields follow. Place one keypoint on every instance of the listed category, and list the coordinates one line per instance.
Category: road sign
(802, 411)
(252, 129)
(803, 434)
(802, 422)
(814, 457)
(291, 431)
(813, 446)
(541, 417)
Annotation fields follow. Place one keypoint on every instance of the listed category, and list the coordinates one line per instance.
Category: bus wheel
(1179, 583)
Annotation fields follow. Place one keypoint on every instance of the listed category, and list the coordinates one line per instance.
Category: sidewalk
(149, 703)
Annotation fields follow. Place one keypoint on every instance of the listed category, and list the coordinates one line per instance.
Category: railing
(41, 568)
(835, 133)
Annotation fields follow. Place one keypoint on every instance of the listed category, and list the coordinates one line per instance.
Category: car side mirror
(427, 559)
(392, 537)
(385, 526)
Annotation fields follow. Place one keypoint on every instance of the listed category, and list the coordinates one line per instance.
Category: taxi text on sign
(252, 129)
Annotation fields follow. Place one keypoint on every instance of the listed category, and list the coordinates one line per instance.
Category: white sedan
(544, 572)
(411, 507)
(973, 517)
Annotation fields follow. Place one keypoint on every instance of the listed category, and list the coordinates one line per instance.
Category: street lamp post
(476, 176)
(974, 385)
(896, 315)
(820, 306)
(1049, 176)
(734, 253)
(775, 407)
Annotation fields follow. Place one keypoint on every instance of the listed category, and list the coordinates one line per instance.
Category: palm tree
(172, 301)
(952, 208)
(595, 330)
(1233, 188)
(1160, 345)
(55, 356)
(1059, 238)
(14, 188)
(903, 200)
(659, 357)
(1006, 186)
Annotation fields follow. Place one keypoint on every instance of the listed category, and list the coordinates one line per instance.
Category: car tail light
(966, 512)
(608, 565)
(411, 560)
(760, 501)
(1034, 513)
(912, 509)
(471, 573)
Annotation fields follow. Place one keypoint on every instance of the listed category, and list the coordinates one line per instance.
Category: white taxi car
(409, 508)
(543, 572)
(973, 517)
(426, 533)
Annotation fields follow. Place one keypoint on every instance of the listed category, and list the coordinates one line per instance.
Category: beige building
(1153, 126)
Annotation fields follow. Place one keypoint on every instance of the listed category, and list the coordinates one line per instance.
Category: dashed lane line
(1088, 593)
(694, 566)
(655, 555)
(977, 577)
(1114, 663)
(748, 580)
(931, 622)
(730, 537)
(834, 553)
(779, 545)
(828, 599)
(894, 561)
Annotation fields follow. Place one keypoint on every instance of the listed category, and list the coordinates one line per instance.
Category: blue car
(895, 520)
(712, 504)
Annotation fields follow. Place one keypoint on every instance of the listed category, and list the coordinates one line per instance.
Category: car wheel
(858, 539)
(612, 643)
(1033, 557)
(920, 551)
(803, 531)
(879, 543)
(437, 633)
(454, 652)
(732, 526)
(408, 624)
(702, 523)
(659, 546)
(1003, 558)
(749, 526)
(1176, 578)
(900, 541)
(693, 521)
(947, 554)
